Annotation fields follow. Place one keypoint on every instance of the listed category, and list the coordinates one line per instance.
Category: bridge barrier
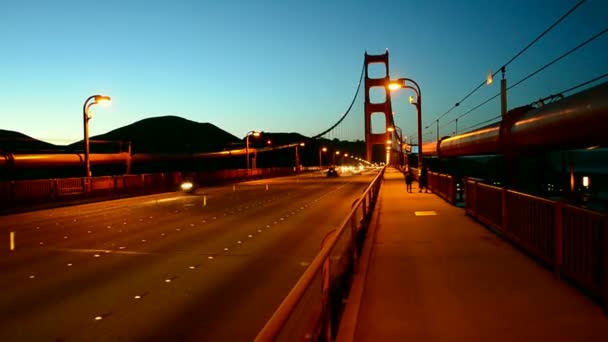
(102, 184)
(25, 193)
(317, 297)
(32, 190)
(70, 186)
(443, 185)
(572, 241)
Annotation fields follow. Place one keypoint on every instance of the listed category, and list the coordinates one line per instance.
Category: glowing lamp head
(302, 144)
(411, 99)
(255, 133)
(324, 149)
(388, 142)
(102, 99)
(490, 78)
(390, 129)
(395, 85)
(586, 181)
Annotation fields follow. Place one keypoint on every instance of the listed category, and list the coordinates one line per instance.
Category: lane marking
(107, 251)
(425, 213)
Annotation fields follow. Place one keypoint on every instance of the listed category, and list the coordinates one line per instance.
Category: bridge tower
(377, 108)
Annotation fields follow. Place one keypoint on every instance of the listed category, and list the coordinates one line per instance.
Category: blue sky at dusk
(279, 66)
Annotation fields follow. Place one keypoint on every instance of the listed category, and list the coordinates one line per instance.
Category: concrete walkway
(430, 273)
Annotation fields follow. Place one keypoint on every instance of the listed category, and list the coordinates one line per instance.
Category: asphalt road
(166, 267)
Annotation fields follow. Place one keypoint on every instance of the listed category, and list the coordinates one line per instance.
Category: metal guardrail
(26, 192)
(316, 299)
(443, 185)
(572, 241)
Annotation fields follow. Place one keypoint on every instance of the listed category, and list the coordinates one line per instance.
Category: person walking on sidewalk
(408, 180)
(423, 181)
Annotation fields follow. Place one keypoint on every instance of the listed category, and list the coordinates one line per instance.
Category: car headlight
(186, 186)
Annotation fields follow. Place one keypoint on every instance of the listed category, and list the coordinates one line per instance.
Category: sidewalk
(445, 277)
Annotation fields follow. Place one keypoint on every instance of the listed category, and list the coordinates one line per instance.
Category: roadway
(211, 266)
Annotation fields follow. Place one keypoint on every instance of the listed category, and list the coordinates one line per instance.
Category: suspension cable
(597, 35)
(349, 107)
(502, 68)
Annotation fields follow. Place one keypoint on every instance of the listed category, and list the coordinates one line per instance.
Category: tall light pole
(298, 156)
(403, 83)
(85, 118)
(323, 149)
(255, 134)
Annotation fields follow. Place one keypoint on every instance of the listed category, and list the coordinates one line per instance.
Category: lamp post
(403, 83)
(255, 134)
(298, 156)
(85, 118)
(323, 149)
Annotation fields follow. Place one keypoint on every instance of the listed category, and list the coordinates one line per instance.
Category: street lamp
(403, 83)
(324, 149)
(255, 134)
(298, 156)
(85, 118)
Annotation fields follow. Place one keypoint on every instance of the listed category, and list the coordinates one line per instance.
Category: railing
(443, 185)
(572, 241)
(26, 192)
(312, 308)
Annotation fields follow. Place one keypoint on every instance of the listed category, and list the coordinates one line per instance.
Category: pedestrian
(423, 181)
(408, 180)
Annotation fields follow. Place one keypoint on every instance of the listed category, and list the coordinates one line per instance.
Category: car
(332, 172)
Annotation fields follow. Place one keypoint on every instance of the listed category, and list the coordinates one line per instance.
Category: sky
(278, 66)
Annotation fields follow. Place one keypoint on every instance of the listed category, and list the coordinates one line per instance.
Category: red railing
(70, 186)
(572, 241)
(443, 185)
(530, 223)
(584, 249)
(25, 192)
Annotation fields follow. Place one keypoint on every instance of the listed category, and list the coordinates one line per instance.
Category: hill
(15, 142)
(277, 139)
(165, 134)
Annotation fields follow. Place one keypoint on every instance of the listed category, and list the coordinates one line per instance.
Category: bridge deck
(445, 277)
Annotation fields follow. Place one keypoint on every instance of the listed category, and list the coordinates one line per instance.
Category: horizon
(287, 67)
